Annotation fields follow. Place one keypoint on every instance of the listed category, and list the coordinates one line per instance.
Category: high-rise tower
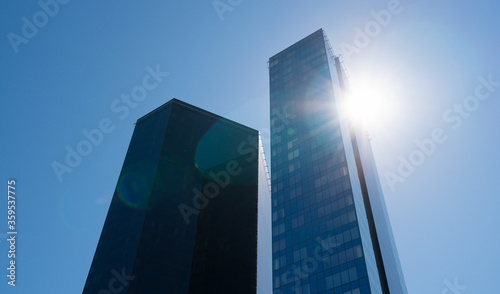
(331, 231)
(191, 210)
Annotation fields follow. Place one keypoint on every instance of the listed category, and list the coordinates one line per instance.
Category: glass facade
(324, 234)
(184, 217)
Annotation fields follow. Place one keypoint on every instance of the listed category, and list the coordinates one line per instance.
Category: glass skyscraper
(191, 210)
(331, 232)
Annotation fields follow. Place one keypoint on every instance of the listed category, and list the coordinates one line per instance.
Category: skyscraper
(191, 210)
(331, 231)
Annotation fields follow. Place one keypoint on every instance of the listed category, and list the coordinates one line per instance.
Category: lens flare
(132, 190)
(368, 103)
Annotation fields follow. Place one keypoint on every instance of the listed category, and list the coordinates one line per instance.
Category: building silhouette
(331, 231)
(191, 210)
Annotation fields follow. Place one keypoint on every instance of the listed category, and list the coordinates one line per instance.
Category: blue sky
(426, 58)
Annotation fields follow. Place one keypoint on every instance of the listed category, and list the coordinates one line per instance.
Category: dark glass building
(331, 231)
(191, 210)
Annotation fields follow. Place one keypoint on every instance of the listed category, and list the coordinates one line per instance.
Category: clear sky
(65, 70)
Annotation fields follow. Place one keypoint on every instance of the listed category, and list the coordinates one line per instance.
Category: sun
(368, 102)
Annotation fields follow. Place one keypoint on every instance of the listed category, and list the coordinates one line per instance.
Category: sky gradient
(428, 60)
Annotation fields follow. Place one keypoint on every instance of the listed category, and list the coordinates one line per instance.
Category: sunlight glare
(368, 103)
